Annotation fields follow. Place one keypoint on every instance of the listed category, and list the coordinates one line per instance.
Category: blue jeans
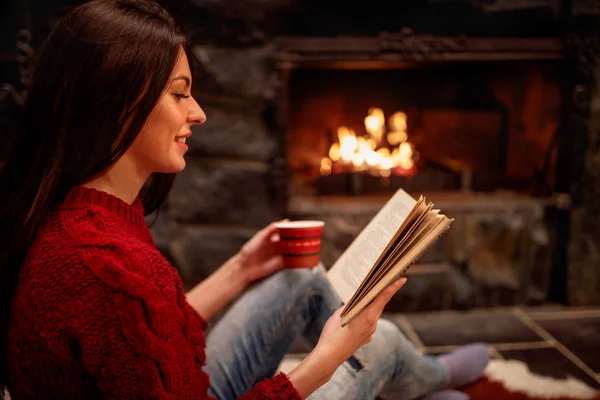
(249, 342)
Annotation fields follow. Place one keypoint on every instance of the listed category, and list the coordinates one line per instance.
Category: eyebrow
(183, 78)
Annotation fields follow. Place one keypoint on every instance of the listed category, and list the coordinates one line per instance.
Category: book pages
(393, 240)
(415, 237)
(412, 220)
(398, 269)
(354, 264)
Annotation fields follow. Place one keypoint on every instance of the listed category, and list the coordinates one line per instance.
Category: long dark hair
(98, 76)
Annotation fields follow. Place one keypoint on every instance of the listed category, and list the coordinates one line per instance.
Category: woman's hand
(337, 344)
(260, 256)
(340, 343)
(257, 259)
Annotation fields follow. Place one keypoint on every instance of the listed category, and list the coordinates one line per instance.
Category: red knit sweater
(99, 313)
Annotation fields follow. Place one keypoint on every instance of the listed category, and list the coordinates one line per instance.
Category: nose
(196, 114)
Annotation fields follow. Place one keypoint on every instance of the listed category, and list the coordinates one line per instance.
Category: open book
(382, 252)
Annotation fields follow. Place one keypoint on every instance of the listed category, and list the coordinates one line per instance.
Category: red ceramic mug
(300, 243)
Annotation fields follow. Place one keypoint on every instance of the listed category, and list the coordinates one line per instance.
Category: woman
(90, 308)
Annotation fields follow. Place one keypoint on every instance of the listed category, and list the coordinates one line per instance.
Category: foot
(446, 395)
(466, 364)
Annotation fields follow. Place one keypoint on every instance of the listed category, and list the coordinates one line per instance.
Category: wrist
(313, 372)
(325, 361)
(234, 268)
(329, 358)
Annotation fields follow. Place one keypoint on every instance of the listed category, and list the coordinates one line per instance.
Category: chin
(172, 167)
(180, 166)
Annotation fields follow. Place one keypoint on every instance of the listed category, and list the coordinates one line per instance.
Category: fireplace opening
(479, 126)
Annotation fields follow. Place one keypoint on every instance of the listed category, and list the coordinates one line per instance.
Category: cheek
(169, 118)
(151, 137)
(159, 132)
(158, 127)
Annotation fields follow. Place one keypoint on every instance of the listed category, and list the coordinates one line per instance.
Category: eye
(180, 96)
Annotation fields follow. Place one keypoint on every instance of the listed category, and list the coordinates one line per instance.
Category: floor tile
(566, 313)
(581, 336)
(550, 362)
(544, 308)
(457, 328)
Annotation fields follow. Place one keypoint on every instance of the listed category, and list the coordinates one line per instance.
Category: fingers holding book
(386, 295)
(371, 314)
(341, 342)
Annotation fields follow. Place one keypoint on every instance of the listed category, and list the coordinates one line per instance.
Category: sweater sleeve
(137, 344)
(277, 388)
(134, 340)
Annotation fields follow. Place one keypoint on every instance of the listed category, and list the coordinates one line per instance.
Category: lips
(182, 138)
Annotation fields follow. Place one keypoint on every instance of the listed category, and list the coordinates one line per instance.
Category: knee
(391, 335)
(305, 279)
(387, 330)
(386, 345)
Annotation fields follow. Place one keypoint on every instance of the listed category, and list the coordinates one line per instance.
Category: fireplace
(468, 122)
(425, 113)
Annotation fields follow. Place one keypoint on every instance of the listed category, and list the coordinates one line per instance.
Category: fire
(382, 150)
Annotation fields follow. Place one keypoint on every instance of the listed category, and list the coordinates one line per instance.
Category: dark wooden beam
(393, 50)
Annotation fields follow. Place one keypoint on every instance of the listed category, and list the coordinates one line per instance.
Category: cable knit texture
(100, 313)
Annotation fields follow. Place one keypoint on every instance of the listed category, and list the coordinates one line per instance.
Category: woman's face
(160, 145)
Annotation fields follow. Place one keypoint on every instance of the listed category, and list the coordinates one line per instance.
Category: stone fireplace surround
(495, 254)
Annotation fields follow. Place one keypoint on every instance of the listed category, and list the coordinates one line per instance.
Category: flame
(376, 111)
(358, 160)
(326, 165)
(397, 121)
(348, 143)
(396, 137)
(405, 150)
(375, 123)
(335, 152)
(368, 152)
